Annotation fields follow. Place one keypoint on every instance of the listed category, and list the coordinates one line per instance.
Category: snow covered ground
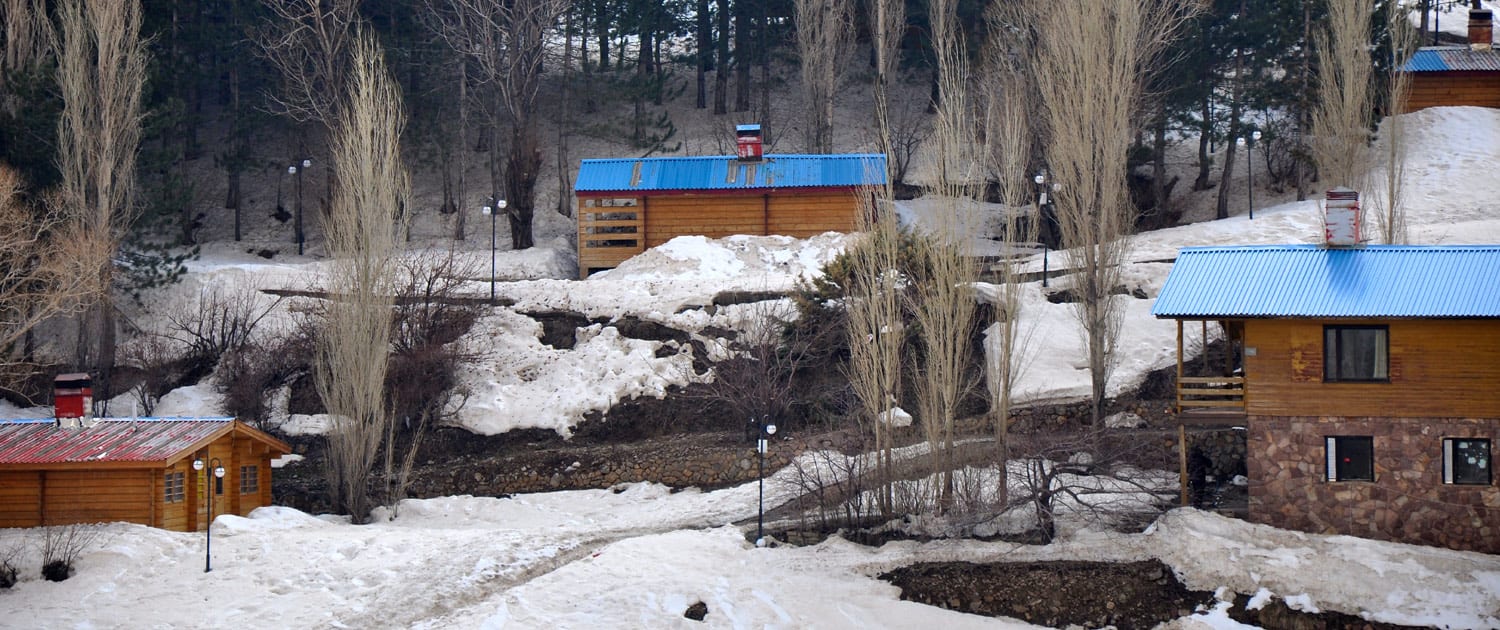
(640, 556)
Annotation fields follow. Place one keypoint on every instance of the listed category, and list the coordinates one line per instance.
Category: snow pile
(519, 383)
(774, 262)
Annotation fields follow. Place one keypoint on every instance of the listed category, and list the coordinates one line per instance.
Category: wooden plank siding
(21, 498)
(665, 217)
(79, 496)
(1437, 368)
(803, 216)
(174, 515)
(1438, 89)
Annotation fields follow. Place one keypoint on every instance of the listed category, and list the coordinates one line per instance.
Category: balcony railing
(1211, 393)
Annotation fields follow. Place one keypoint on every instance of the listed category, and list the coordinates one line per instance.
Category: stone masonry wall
(1407, 502)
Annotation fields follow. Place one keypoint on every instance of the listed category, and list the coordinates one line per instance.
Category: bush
(247, 373)
(61, 546)
(8, 572)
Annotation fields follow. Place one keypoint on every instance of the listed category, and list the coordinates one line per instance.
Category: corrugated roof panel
(712, 173)
(1466, 59)
(1453, 59)
(1425, 60)
(110, 440)
(1313, 281)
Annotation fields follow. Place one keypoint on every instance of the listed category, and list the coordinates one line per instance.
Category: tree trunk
(721, 70)
(705, 43)
(742, 56)
(1205, 142)
(564, 168)
(1159, 161)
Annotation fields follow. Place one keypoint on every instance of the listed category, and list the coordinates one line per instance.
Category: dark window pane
(1354, 458)
(1470, 461)
(1355, 353)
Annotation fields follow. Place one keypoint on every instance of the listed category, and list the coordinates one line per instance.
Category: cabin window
(1355, 353)
(249, 479)
(1350, 457)
(594, 202)
(1466, 461)
(173, 487)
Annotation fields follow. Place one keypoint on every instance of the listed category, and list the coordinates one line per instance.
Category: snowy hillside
(639, 556)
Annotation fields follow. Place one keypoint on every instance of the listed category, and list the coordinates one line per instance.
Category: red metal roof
(118, 440)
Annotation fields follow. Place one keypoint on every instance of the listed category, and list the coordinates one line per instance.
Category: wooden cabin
(626, 206)
(132, 470)
(1457, 75)
(1367, 378)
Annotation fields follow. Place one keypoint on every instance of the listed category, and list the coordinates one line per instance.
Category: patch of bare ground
(1123, 595)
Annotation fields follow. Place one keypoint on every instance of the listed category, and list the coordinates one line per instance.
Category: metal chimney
(747, 141)
(73, 400)
(1341, 218)
(1481, 29)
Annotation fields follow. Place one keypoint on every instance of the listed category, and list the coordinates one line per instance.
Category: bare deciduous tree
(51, 261)
(1008, 143)
(943, 303)
(29, 38)
(101, 72)
(219, 321)
(1088, 64)
(755, 379)
(507, 43)
(1341, 118)
(309, 43)
(1087, 476)
(876, 329)
(1390, 215)
(363, 233)
(825, 32)
(887, 25)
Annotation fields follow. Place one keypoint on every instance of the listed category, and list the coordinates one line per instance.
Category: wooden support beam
(1179, 366)
(1182, 461)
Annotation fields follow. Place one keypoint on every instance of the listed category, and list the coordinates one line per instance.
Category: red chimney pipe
(72, 399)
(1481, 29)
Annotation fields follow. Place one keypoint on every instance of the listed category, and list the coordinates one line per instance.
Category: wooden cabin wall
(796, 214)
(1437, 89)
(1438, 368)
(806, 215)
(255, 454)
(59, 497)
(174, 515)
(713, 216)
(20, 498)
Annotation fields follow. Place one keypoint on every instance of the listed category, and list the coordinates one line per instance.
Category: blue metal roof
(714, 173)
(1387, 281)
(1453, 59)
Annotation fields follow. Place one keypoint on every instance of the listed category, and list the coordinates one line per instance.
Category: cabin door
(209, 490)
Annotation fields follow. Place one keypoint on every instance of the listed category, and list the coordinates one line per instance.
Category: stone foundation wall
(1407, 502)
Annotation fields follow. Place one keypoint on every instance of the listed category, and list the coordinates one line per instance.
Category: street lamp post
(208, 493)
(1249, 148)
(1041, 219)
(1250, 166)
(763, 432)
(492, 208)
(296, 169)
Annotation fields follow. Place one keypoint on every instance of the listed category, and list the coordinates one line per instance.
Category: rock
(697, 612)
